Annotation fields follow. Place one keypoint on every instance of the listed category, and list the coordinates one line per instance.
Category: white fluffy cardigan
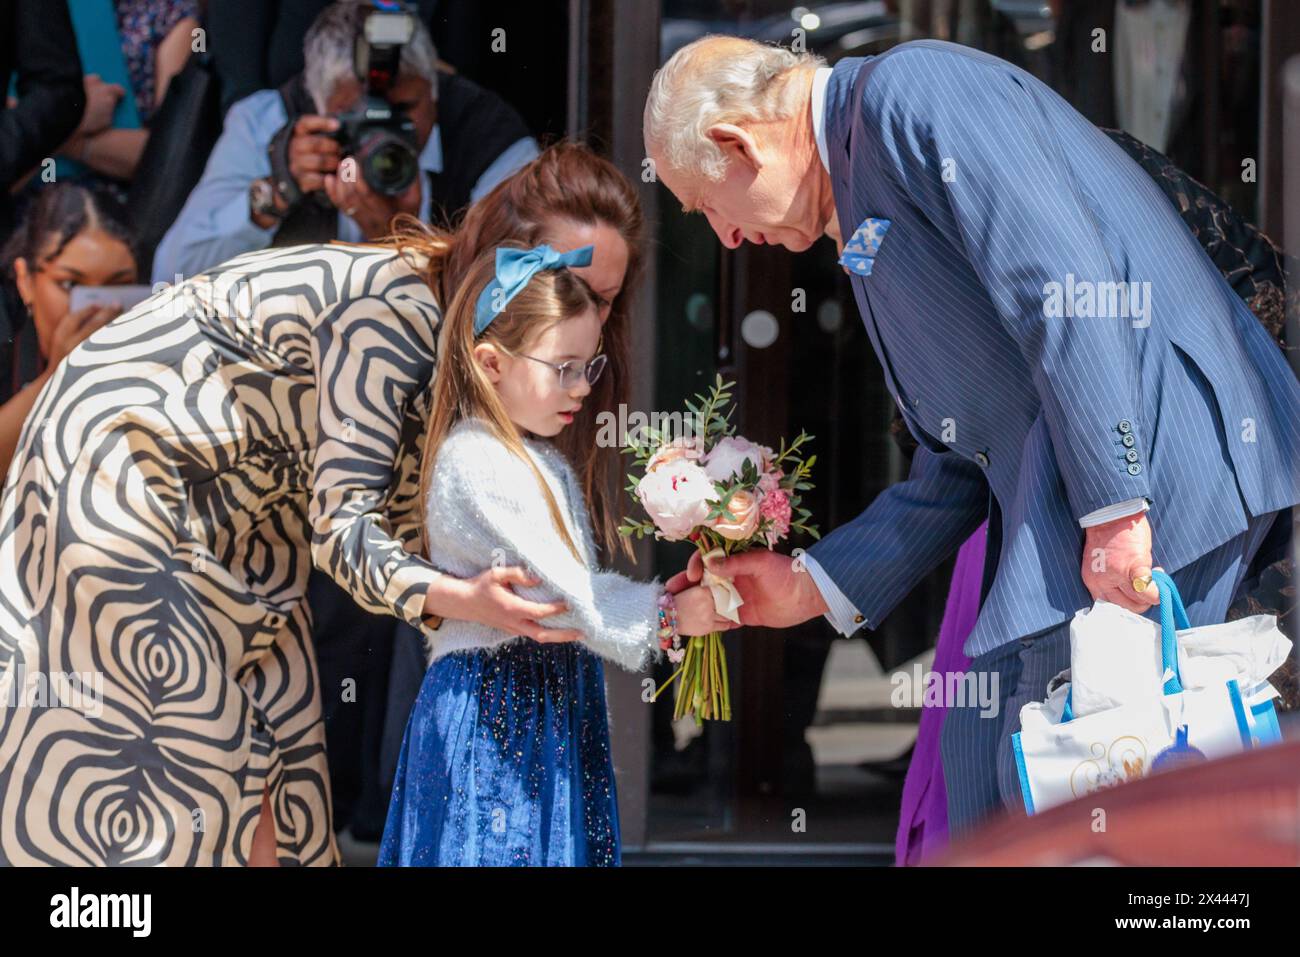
(486, 508)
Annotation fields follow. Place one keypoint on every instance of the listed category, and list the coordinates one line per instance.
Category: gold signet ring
(1140, 584)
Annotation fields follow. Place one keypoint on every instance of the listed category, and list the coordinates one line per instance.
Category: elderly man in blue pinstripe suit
(1072, 364)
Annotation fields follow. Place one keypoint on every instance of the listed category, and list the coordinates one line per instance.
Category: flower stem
(664, 687)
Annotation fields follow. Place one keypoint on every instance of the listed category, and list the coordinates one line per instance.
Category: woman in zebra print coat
(177, 478)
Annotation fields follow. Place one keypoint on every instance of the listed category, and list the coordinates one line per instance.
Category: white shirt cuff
(843, 616)
(1112, 512)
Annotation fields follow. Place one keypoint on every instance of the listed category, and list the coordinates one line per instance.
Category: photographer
(464, 138)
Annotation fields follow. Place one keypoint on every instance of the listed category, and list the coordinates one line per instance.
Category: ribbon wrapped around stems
(726, 599)
(703, 691)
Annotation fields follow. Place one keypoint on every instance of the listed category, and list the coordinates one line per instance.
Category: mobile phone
(124, 296)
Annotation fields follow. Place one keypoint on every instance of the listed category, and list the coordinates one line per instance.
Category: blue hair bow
(515, 268)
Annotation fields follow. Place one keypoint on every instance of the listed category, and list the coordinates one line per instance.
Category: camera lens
(388, 163)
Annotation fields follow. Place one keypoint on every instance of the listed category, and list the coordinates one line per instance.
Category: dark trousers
(371, 667)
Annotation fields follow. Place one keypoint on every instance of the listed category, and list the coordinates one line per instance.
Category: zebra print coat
(178, 476)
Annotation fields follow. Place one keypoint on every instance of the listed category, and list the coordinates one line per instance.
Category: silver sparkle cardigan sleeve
(486, 508)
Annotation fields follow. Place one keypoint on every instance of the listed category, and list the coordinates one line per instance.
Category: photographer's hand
(312, 155)
(372, 211)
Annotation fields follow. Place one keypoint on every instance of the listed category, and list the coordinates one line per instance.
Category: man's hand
(777, 593)
(1113, 555)
(312, 155)
(372, 211)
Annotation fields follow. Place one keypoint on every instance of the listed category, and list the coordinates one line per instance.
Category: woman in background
(153, 40)
(70, 237)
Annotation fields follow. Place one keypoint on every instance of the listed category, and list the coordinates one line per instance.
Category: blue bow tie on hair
(515, 268)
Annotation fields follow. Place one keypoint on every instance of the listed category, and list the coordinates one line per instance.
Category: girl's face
(608, 266)
(528, 382)
(91, 258)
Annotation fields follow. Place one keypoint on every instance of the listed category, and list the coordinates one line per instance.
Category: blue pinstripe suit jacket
(995, 189)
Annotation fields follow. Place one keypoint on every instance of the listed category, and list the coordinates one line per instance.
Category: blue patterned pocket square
(861, 249)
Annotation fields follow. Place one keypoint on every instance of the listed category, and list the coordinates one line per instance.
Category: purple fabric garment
(923, 818)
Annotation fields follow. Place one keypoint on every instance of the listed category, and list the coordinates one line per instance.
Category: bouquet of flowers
(727, 495)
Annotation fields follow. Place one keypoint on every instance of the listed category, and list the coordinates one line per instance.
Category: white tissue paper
(1115, 658)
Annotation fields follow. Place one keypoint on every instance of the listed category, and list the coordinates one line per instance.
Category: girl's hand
(696, 613)
(489, 599)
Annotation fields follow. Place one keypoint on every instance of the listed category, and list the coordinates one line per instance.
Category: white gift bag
(1135, 727)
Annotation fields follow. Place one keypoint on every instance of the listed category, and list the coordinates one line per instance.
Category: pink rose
(679, 448)
(675, 495)
(744, 506)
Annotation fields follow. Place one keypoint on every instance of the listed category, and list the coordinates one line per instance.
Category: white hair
(329, 50)
(695, 90)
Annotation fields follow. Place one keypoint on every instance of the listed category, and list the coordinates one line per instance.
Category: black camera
(380, 137)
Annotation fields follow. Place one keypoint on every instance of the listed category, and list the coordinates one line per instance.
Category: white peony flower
(727, 459)
(675, 496)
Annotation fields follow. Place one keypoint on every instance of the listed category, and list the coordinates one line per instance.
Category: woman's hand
(75, 327)
(489, 599)
(696, 613)
(101, 100)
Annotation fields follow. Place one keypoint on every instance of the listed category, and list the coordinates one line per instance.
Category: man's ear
(736, 142)
(489, 360)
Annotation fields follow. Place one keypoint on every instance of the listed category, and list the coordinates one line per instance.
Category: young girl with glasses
(506, 757)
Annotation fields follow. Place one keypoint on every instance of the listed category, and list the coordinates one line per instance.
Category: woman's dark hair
(56, 216)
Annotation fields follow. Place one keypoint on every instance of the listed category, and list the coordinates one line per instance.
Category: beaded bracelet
(669, 640)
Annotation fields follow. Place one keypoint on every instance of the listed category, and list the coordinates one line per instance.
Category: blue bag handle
(1173, 616)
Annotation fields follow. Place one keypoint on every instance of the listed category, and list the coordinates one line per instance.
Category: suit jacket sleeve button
(1134, 469)
(1131, 455)
(1129, 441)
(981, 460)
(1125, 426)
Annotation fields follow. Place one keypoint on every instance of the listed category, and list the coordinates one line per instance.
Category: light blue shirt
(214, 224)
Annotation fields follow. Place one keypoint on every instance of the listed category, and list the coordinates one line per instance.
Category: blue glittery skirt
(506, 762)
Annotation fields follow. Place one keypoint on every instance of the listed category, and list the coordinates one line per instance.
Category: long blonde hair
(462, 390)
